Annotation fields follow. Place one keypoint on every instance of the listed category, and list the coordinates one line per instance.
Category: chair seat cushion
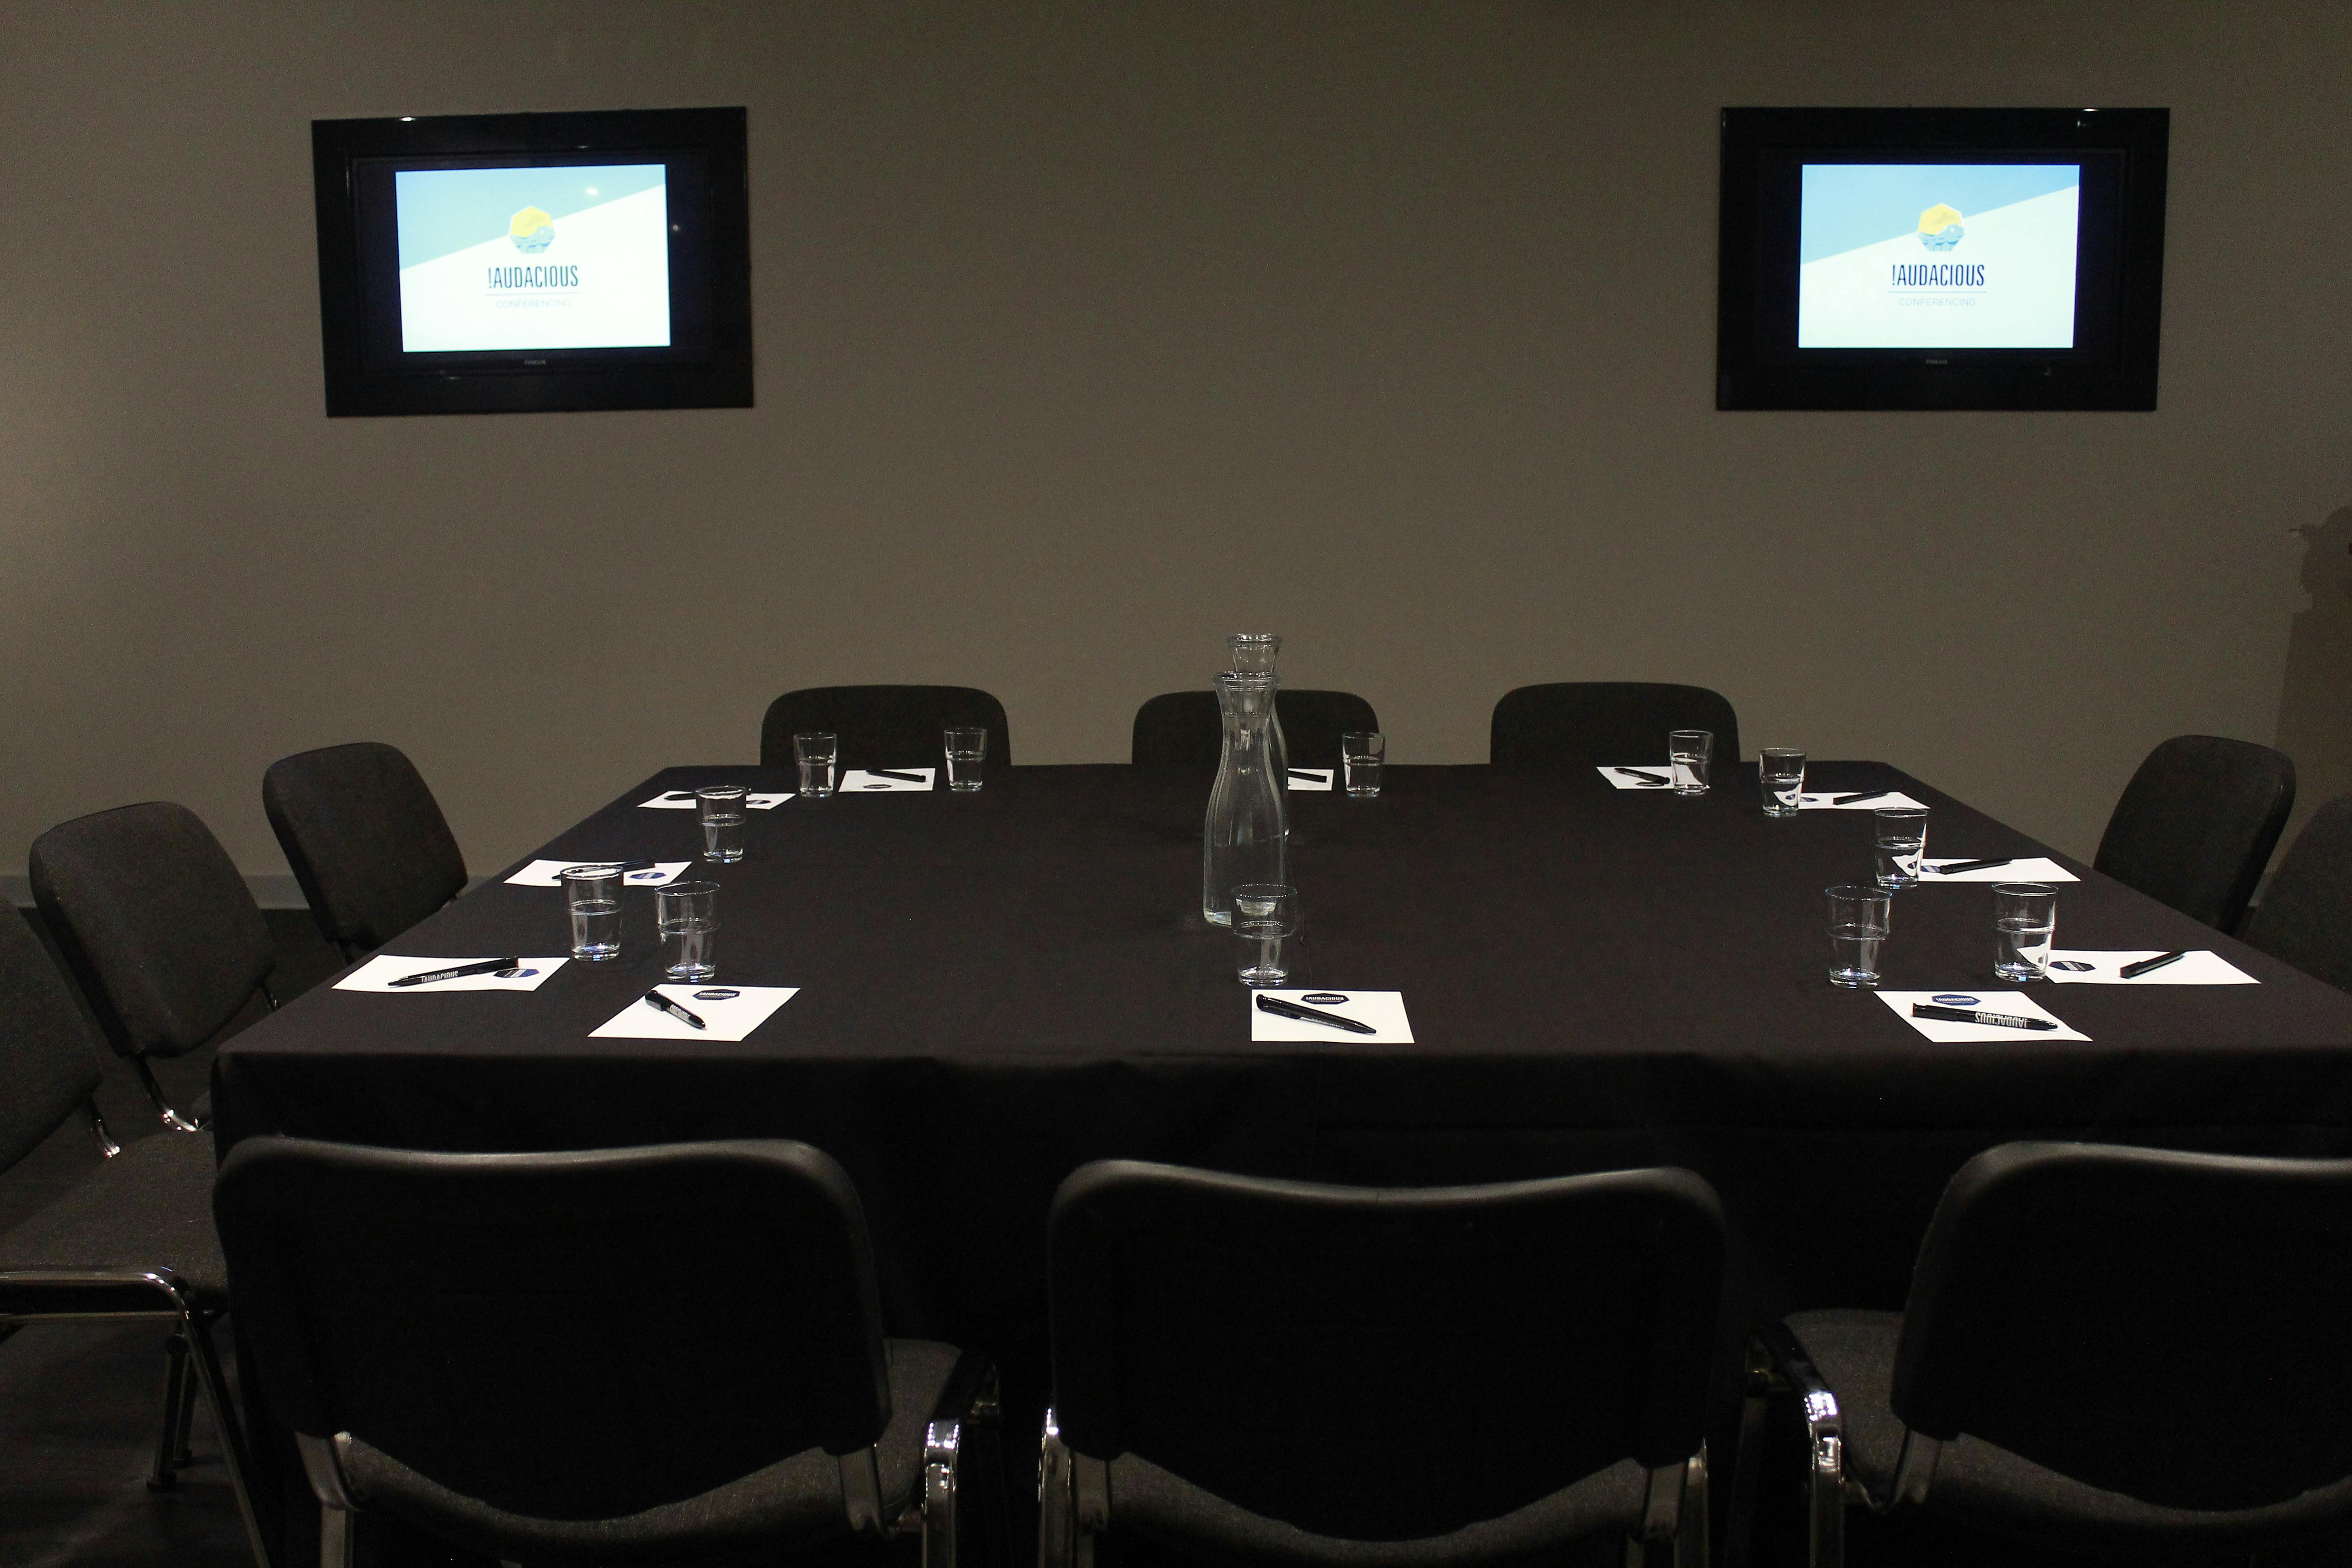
(1149, 1502)
(1989, 1485)
(150, 1207)
(797, 1499)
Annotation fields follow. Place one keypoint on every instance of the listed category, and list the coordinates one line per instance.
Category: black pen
(656, 999)
(1281, 1009)
(1310, 775)
(1647, 777)
(2134, 971)
(487, 966)
(893, 773)
(1949, 867)
(1971, 1015)
(617, 865)
(1862, 795)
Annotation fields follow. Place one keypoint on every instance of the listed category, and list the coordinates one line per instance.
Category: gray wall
(1089, 333)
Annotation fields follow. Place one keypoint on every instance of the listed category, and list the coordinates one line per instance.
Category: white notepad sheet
(1383, 1010)
(2202, 967)
(858, 781)
(1310, 778)
(683, 800)
(1629, 776)
(379, 973)
(731, 1018)
(1945, 1032)
(1825, 801)
(2024, 868)
(550, 873)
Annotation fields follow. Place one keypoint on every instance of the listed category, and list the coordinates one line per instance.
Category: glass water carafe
(1254, 653)
(1248, 836)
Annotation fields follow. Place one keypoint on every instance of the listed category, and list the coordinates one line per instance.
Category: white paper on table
(1822, 802)
(860, 781)
(731, 1018)
(379, 973)
(550, 873)
(1310, 778)
(683, 800)
(1383, 1010)
(1630, 777)
(2201, 967)
(2024, 868)
(1945, 1032)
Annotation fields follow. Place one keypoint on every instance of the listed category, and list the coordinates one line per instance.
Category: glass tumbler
(818, 755)
(1266, 924)
(967, 756)
(688, 912)
(1362, 754)
(592, 894)
(2024, 918)
(1858, 922)
(722, 821)
(1899, 843)
(1781, 770)
(1689, 750)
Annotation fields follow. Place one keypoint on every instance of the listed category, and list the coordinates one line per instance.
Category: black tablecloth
(999, 987)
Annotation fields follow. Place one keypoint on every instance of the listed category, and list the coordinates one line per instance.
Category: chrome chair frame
(1778, 1365)
(964, 1405)
(114, 1295)
(1073, 1508)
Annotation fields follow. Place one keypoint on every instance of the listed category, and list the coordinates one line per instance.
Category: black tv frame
(710, 366)
(2119, 269)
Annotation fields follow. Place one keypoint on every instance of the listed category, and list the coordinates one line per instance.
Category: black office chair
(366, 839)
(1605, 724)
(2196, 824)
(159, 928)
(133, 1239)
(2128, 1352)
(884, 726)
(1185, 727)
(2305, 916)
(665, 1353)
(1377, 1378)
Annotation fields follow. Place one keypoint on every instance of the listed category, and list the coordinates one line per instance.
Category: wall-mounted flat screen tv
(473, 264)
(1940, 258)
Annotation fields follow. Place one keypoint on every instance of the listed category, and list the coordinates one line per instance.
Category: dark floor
(79, 1405)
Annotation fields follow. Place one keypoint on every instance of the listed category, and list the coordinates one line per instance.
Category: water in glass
(596, 929)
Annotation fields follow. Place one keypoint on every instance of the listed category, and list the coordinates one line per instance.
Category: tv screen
(534, 262)
(1940, 258)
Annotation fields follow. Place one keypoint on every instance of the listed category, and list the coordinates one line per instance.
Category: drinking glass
(1361, 753)
(722, 821)
(1782, 770)
(1266, 923)
(1858, 921)
(1901, 843)
(688, 912)
(593, 895)
(817, 753)
(1688, 752)
(967, 754)
(2024, 918)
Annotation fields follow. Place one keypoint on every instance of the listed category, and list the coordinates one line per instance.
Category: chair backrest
(49, 1063)
(2196, 824)
(884, 726)
(154, 921)
(1602, 723)
(2170, 1326)
(1383, 1363)
(560, 1335)
(366, 839)
(1185, 727)
(2305, 915)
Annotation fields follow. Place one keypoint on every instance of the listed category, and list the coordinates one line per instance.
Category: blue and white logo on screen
(1863, 282)
(564, 257)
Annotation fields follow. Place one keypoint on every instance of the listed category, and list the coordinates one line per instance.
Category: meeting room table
(994, 988)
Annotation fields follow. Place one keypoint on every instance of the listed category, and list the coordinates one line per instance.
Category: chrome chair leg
(106, 1143)
(1057, 1513)
(1695, 1540)
(205, 1360)
(172, 1118)
(337, 1512)
(171, 1444)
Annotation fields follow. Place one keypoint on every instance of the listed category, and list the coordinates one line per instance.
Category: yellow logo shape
(1935, 220)
(531, 231)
